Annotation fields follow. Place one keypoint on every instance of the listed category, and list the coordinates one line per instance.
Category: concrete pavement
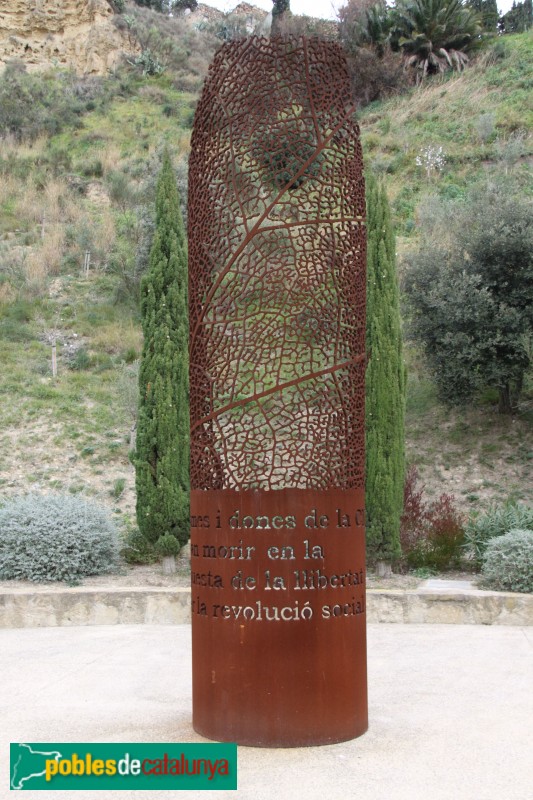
(451, 711)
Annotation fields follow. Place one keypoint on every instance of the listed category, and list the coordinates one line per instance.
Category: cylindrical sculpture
(277, 362)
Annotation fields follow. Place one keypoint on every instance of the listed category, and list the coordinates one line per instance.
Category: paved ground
(451, 711)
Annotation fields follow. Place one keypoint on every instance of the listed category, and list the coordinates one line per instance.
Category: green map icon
(28, 764)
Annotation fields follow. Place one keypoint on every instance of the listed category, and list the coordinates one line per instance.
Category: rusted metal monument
(277, 363)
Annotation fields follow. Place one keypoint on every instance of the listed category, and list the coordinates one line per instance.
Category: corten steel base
(277, 365)
(279, 628)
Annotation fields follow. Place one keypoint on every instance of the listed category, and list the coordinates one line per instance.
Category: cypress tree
(162, 455)
(385, 386)
(281, 11)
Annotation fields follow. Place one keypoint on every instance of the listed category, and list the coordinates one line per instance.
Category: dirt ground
(151, 576)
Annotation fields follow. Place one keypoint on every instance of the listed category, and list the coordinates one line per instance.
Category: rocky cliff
(69, 33)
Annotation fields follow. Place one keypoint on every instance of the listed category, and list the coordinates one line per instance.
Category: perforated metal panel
(277, 260)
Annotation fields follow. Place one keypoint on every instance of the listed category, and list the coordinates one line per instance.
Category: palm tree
(379, 22)
(365, 23)
(436, 34)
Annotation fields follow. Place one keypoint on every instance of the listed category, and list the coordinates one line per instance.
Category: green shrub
(167, 545)
(81, 360)
(508, 562)
(130, 355)
(118, 488)
(20, 311)
(495, 522)
(184, 51)
(55, 538)
(102, 362)
(93, 168)
(148, 63)
(45, 103)
(376, 76)
(12, 331)
(137, 549)
(498, 52)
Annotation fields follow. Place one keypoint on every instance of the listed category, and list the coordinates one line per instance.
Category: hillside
(78, 34)
(482, 120)
(78, 161)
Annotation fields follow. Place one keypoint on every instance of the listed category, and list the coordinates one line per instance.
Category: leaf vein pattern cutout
(277, 271)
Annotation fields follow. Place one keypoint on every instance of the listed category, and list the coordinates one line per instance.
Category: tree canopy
(280, 11)
(432, 35)
(518, 19)
(469, 288)
(436, 34)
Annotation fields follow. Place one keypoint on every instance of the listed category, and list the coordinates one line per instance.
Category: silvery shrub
(508, 562)
(55, 537)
